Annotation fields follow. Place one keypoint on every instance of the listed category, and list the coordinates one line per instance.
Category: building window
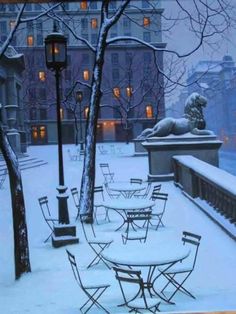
(114, 58)
(67, 74)
(149, 111)
(33, 114)
(115, 74)
(62, 113)
(94, 39)
(12, 24)
(147, 37)
(146, 21)
(86, 75)
(129, 91)
(42, 93)
(83, 4)
(30, 41)
(86, 112)
(126, 22)
(39, 40)
(84, 24)
(34, 132)
(3, 27)
(42, 76)
(116, 92)
(93, 5)
(43, 114)
(94, 23)
(42, 132)
(85, 58)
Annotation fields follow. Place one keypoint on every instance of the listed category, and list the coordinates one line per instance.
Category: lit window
(83, 4)
(129, 91)
(94, 23)
(146, 21)
(12, 24)
(86, 111)
(42, 132)
(34, 132)
(30, 40)
(61, 113)
(86, 75)
(149, 111)
(116, 92)
(42, 76)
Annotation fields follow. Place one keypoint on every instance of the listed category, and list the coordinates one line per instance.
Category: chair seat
(176, 269)
(99, 203)
(139, 303)
(133, 235)
(100, 241)
(103, 285)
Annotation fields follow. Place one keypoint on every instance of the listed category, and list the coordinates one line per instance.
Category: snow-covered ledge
(211, 188)
(162, 149)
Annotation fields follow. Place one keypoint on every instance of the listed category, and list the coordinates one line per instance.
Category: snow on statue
(192, 121)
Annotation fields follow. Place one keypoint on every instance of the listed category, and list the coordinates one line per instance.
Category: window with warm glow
(84, 4)
(42, 76)
(129, 91)
(86, 111)
(116, 92)
(62, 113)
(86, 75)
(146, 21)
(12, 24)
(30, 40)
(94, 23)
(149, 111)
(34, 132)
(42, 132)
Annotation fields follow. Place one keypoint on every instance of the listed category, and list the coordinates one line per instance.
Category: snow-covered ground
(50, 287)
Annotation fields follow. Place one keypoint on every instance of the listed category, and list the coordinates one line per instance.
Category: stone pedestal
(14, 139)
(161, 149)
(139, 149)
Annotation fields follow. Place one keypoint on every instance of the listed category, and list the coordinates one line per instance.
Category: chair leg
(93, 298)
(98, 257)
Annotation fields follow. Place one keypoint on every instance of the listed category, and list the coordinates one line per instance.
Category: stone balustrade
(201, 180)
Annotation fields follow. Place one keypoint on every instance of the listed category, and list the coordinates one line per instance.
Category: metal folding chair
(139, 301)
(92, 291)
(99, 202)
(159, 208)
(96, 244)
(145, 193)
(3, 176)
(107, 174)
(182, 269)
(50, 221)
(136, 180)
(133, 230)
(110, 193)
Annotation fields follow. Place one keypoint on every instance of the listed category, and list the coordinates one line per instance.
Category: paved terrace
(50, 288)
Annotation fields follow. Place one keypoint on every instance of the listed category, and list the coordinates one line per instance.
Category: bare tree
(21, 246)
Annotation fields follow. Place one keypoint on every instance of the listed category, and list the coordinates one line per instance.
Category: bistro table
(126, 189)
(121, 206)
(148, 255)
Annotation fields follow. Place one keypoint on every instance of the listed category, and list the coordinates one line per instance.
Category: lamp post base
(81, 145)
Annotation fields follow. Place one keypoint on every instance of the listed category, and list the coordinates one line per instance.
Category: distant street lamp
(56, 60)
(79, 98)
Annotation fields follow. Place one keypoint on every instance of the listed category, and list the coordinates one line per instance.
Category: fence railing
(200, 179)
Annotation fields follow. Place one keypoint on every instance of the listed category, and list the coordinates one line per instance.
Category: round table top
(146, 254)
(128, 204)
(126, 186)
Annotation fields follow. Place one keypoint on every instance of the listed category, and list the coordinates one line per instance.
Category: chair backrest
(74, 268)
(75, 196)
(108, 175)
(98, 190)
(156, 188)
(136, 180)
(88, 230)
(162, 197)
(124, 275)
(43, 202)
(148, 188)
(192, 239)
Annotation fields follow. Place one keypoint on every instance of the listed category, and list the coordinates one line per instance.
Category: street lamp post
(56, 60)
(79, 98)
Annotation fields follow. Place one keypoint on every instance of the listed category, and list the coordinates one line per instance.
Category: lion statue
(192, 121)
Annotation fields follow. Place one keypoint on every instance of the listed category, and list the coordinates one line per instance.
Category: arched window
(149, 111)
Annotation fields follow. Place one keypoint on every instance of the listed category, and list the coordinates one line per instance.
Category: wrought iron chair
(136, 180)
(50, 221)
(96, 244)
(3, 176)
(75, 196)
(139, 301)
(159, 208)
(182, 269)
(107, 174)
(132, 220)
(156, 188)
(92, 291)
(99, 202)
(145, 193)
(110, 193)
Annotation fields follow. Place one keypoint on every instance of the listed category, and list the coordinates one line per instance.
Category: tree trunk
(21, 247)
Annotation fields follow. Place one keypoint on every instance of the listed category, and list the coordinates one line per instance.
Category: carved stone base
(161, 149)
(64, 235)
